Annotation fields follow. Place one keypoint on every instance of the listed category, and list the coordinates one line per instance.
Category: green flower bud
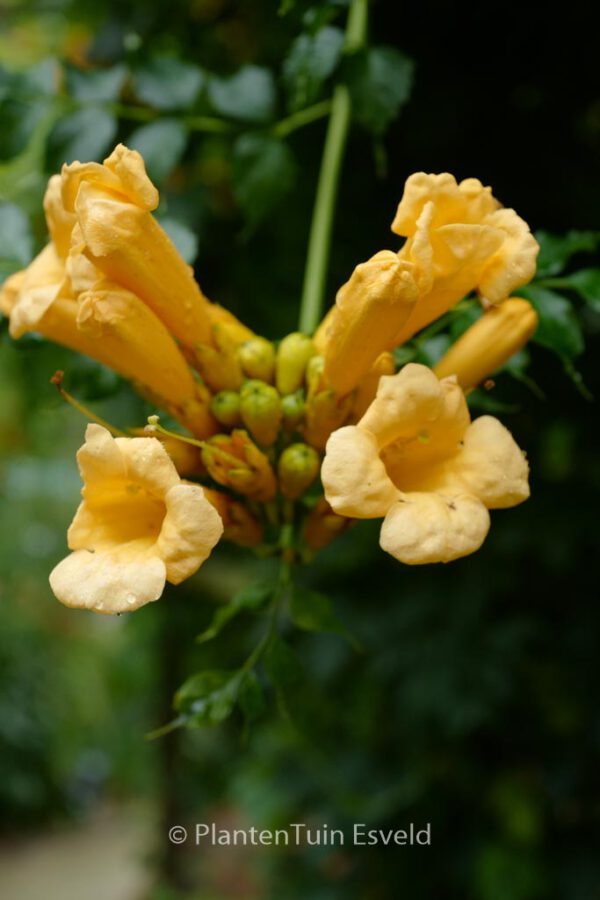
(225, 407)
(257, 357)
(297, 469)
(293, 406)
(260, 408)
(293, 355)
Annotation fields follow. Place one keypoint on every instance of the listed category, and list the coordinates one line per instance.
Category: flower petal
(428, 528)
(491, 465)
(99, 582)
(354, 477)
(405, 404)
(191, 529)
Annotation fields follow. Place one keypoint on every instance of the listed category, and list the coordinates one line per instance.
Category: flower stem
(319, 243)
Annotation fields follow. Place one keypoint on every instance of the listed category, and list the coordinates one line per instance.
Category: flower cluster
(303, 436)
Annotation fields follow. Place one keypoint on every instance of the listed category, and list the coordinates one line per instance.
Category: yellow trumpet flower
(138, 526)
(111, 325)
(370, 309)
(460, 240)
(416, 459)
(484, 347)
(113, 204)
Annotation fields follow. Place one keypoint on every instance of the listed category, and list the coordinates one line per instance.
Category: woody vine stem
(319, 243)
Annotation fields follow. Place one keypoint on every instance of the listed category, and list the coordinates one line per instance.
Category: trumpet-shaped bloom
(109, 324)
(370, 309)
(138, 526)
(484, 347)
(416, 459)
(113, 205)
(460, 240)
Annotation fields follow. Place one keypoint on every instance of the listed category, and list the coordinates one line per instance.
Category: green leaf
(313, 611)
(247, 95)
(96, 85)
(586, 282)
(169, 83)
(559, 328)
(85, 135)
(162, 145)
(16, 240)
(22, 177)
(250, 599)
(209, 697)
(282, 665)
(380, 80)
(311, 60)
(556, 250)
(264, 171)
(183, 237)
(251, 697)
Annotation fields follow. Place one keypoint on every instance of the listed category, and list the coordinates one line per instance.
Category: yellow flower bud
(239, 525)
(489, 343)
(323, 525)
(294, 352)
(234, 461)
(221, 372)
(223, 320)
(225, 407)
(297, 469)
(292, 407)
(260, 408)
(324, 413)
(113, 203)
(257, 357)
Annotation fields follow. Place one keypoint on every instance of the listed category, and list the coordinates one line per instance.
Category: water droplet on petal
(131, 599)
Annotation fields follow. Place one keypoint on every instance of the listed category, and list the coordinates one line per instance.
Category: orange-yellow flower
(138, 526)
(113, 204)
(416, 459)
(109, 324)
(459, 240)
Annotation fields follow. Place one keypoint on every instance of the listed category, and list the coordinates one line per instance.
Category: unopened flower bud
(324, 413)
(293, 406)
(260, 408)
(297, 469)
(489, 343)
(224, 322)
(221, 372)
(225, 407)
(239, 525)
(234, 461)
(323, 525)
(293, 355)
(257, 357)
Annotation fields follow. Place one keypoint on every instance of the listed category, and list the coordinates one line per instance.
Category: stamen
(154, 426)
(57, 380)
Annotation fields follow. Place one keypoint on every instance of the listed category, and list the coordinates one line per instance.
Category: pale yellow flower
(484, 347)
(459, 240)
(109, 324)
(416, 459)
(113, 204)
(138, 526)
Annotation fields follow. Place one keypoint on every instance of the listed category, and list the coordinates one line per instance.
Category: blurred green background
(474, 704)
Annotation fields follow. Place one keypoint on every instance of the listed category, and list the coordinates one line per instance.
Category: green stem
(303, 117)
(319, 243)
